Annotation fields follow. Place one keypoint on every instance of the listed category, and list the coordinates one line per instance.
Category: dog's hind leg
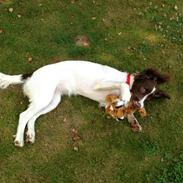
(34, 107)
(30, 134)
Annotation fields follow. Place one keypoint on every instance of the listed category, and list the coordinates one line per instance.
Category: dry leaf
(76, 148)
(75, 135)
(162, 5)
(176, 7)
(30, 59)
(10, 10)
(82, 41)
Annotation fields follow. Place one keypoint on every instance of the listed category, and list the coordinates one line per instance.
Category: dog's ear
(159, 94)
(155, 75)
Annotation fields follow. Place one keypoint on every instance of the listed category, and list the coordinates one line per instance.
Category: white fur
(141, 102)
(6, 80)
(46, 86)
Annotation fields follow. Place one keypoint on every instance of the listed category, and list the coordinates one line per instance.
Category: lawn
(125, 34)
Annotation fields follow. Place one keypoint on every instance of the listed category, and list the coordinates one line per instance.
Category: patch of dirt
(5, 1)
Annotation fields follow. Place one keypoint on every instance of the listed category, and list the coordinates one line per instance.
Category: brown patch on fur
(25, 76)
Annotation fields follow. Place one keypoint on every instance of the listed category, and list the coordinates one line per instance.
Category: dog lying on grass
(46, 86)
(117, 112)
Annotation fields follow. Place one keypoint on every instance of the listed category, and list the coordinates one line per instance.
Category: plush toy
(112, 109)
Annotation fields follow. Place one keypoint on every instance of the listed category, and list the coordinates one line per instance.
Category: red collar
(128, 79)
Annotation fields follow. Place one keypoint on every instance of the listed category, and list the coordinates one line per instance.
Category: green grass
(128, 35)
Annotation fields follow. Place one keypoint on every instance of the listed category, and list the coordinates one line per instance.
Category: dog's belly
(85, 89)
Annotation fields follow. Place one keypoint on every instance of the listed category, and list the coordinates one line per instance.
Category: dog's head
(145, 85)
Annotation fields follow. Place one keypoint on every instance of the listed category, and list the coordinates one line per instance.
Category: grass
(128, 35)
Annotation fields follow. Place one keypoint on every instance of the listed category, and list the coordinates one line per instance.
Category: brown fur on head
(153, 74)
(146, 81)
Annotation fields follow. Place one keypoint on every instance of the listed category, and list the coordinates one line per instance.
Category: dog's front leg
(134, 123)
(125, 94)
(123, 88)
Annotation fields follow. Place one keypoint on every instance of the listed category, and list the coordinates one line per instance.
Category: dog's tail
(6, 80)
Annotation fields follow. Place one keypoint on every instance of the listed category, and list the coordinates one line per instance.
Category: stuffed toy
(120, 112)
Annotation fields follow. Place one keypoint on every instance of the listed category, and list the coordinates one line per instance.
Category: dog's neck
(130, 80)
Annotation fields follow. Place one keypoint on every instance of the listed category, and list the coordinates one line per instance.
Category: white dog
(46, 86)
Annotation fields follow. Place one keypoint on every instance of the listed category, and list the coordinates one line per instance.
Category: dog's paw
(4, 84)
(18, 143)
(30, 137)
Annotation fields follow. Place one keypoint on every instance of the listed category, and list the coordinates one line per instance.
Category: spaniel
(46, 86)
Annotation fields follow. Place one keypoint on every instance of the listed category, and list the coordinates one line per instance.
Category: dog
(46, 86)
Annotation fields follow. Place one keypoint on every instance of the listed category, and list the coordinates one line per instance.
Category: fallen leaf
(1, 31)
(29, 59)
(75, 135)
(162, 5)
(76, 148)
(82, 41)
(176, 7)
(10, 10)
